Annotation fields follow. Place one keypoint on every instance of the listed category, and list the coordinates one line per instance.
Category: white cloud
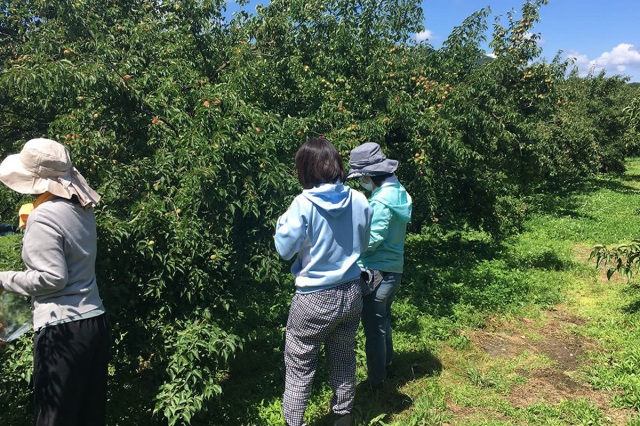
(424, 36)
(541, 40)
(622, 59)
(621, 55)
(581, 62)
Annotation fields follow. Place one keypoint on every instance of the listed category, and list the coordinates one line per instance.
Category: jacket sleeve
(291, 230)
(46, 273)
(379, 224)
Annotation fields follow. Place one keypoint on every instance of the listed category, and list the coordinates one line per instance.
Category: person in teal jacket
(391, 205)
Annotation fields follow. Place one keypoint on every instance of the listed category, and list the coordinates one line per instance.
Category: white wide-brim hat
(42, 166)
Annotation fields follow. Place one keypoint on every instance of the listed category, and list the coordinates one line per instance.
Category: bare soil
(556, 340)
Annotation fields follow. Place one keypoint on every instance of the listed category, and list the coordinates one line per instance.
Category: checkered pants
(331, 317)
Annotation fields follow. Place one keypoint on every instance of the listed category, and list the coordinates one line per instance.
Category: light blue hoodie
(328, 228)
(391, 205)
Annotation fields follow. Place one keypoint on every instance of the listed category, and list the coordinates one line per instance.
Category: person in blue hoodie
(391, 205)
(327, 226)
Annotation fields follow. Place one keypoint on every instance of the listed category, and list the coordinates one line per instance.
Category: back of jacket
(328, 228)
(392, 207)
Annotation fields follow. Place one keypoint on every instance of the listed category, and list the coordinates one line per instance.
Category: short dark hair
(317, 162)
(379, 179)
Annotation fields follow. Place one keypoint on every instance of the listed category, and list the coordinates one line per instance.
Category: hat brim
(14, 175)
(382, 168)
(359, 173)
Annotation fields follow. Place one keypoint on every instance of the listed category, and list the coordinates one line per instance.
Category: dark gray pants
(70, 373)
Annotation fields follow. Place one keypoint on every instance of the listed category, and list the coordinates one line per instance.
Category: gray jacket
(59, 251)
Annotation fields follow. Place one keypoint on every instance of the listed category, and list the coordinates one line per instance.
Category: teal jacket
(391, 205)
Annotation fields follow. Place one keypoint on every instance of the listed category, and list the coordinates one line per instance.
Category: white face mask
(366, 185)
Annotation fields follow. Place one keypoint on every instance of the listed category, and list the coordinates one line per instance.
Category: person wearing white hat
(384, 255)
(71, 340)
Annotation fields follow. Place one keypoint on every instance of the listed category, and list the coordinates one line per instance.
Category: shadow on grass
(631, 178)
(389, 400)
(619, 187)
(547, 260)
(632, 308)
(566, 201)
(632, 288)
(258, 376)
(473, 269)
(433, 267)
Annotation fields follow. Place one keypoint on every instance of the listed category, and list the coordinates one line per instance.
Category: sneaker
(344, 420)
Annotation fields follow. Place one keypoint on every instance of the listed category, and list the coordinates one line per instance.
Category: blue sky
(598, 34)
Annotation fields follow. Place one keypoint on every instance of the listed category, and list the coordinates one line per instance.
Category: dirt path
(555, 339)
